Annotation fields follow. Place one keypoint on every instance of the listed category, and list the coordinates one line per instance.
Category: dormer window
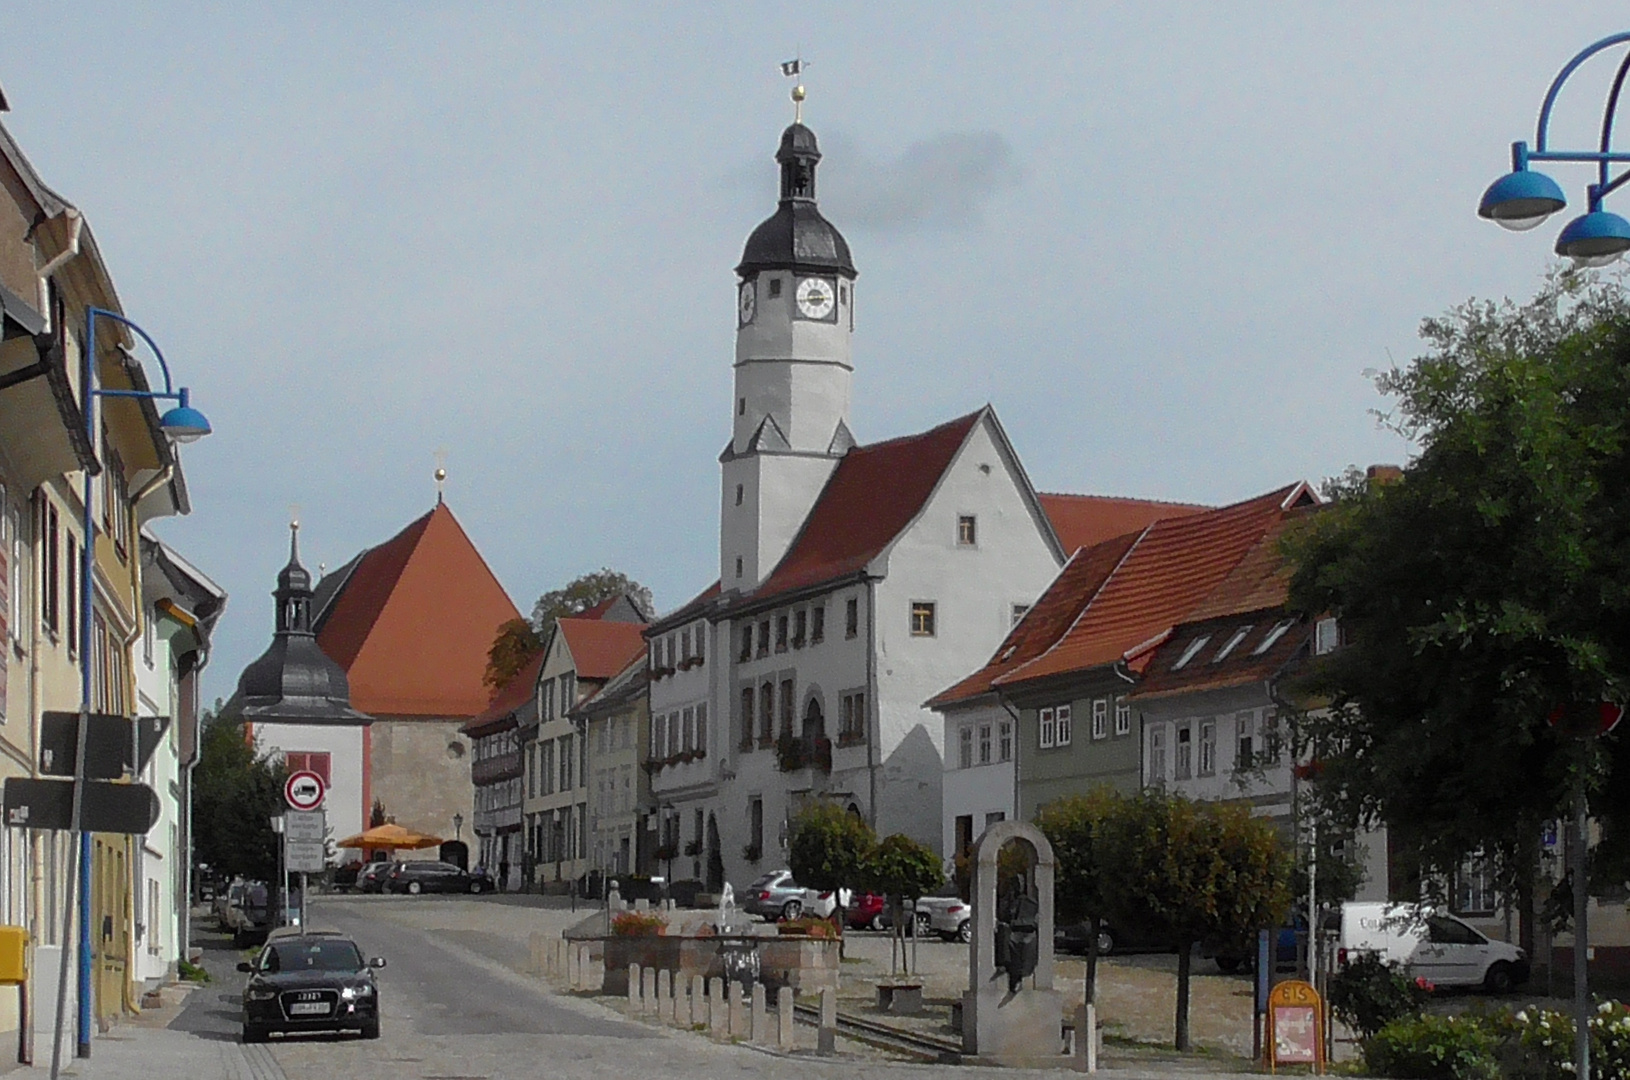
(1189, 653)
(1326, 636)
(1231, 644)
(1273, 636)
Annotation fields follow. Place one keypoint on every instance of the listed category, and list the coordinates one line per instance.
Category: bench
(900, 999)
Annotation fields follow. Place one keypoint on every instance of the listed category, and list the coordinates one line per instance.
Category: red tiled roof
(598, 610)
(872, 495)
(688, 610)
(1173, 566)
(1047, 619)
(601, 649)
(1084, 520)
(414, 620)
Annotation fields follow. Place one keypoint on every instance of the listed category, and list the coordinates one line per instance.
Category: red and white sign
(1608, 715)
(304, 790)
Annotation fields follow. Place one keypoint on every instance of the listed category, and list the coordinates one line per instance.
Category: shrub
(1543, 1041)
(638, 924)
(1369, 993)
(191, 972)
(1434, 1048)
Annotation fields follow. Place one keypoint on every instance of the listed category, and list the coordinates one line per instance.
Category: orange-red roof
(1174, 565)
(512, 695)
(601, 649)
(413, 621)
(1084, 520)
(872, 495)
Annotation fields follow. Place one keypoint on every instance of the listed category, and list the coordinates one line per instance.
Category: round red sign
(304, 790)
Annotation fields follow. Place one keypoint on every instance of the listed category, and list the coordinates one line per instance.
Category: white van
(1432, 945)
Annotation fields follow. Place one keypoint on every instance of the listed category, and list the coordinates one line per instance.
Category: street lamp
(1523, 198)
(181, 424)
(458, 826)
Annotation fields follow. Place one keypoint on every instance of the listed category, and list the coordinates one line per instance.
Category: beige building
(616, 721)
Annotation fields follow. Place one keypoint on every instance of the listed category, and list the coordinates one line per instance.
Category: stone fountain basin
(799, 961)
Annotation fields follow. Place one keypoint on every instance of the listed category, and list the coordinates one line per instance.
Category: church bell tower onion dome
(796, 237)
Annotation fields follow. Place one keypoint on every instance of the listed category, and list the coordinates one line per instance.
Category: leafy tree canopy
(578, 596)
(1072, 826)
(900, 867)
(829, 847)
(1487, 586)
(517, 642)
(235, 795)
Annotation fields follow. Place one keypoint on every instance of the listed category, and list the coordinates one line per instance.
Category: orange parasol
(392, 836)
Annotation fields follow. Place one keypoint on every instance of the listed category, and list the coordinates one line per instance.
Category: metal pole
(1581, 948)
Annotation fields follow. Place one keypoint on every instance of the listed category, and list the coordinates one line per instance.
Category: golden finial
(441, 472)
(794, 69)
(798, 95)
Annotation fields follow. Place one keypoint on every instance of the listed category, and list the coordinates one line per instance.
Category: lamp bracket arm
(92, 313)
(1542, 130)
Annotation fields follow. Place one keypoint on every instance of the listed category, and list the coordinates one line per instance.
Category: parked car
(414, 878)
(371, 878)
(777, 896)
(310, 982)
(252, 915)
(1073, 938)
(1431, 944)
(951, 917)
(225, 900)
(1285, 942)
(867, 911)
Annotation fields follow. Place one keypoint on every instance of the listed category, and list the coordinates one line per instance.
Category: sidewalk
(130, 1051)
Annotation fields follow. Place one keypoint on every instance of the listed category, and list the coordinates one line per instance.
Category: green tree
(1487, 586)
(236, 793)
(828, 849)
(1072, 826)
(516, 644)
(1186, 872)
(900, 870)
(583, 593)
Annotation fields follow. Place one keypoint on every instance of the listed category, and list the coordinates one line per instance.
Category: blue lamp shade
(184, 424)
(1520, 200)
(1594, 239)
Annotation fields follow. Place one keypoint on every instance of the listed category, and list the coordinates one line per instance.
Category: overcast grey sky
(1165, 241)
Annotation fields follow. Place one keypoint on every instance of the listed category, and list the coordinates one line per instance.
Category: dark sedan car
(307, 983)
(1074, 938)
(371, 878)
(414, 878)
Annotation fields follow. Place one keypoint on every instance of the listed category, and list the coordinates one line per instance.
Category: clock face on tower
(746, 302)
(817, 298)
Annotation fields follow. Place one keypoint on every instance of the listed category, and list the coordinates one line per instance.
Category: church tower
(794, 319)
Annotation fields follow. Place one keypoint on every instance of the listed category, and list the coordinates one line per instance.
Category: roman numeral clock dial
(816, 298)
(746, 302)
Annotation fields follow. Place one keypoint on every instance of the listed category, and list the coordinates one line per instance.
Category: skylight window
(1274, 635)
(1231, 644)
(1189, 653)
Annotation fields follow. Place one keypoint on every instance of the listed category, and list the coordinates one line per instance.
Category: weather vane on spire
(794, 69)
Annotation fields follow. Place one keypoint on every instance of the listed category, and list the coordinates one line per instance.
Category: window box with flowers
(666, 853)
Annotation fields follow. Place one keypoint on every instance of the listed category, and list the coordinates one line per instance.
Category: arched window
(766, 712)
(814, 720)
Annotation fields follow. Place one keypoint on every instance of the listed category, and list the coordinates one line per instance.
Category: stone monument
(1012, 1018)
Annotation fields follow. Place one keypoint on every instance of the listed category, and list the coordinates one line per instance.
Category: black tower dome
(796, 237)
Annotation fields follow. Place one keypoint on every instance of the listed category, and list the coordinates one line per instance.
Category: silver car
(777, 896)
(948, 916)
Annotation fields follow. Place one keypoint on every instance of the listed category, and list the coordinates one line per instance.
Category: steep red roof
(1047, 619)
(413, 621)
(512, 695)
(601, 649)
(1171, 569)
(1084, 520)
(872, 495)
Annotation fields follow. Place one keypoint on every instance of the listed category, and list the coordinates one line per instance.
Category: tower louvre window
(775, 288)
(741, 406)
(739, 492)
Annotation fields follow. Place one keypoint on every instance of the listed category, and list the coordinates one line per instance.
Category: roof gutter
(76, 225)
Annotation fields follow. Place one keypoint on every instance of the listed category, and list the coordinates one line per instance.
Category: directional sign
(305, 826)
(107, 807)
(304, 790)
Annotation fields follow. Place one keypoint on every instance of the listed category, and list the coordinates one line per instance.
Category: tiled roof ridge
(1124, 499)
(406, 541)
(883, 444)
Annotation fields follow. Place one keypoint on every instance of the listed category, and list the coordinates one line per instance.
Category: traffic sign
(1604, 716)
(305, 825)
(107, 750)
(107, 807)
(304, 790)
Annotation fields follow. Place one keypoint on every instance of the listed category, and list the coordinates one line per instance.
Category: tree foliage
(1486, 587)
(579, 595)
(1073, 826)
(900, 868)
(516, 644)
(1186, 872)
(829, 848)
(236, 792)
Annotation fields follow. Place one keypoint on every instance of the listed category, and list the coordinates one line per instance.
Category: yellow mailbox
(13, 955)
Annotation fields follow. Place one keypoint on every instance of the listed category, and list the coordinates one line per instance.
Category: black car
(426, 877)
(316, 982)
(1074, 938)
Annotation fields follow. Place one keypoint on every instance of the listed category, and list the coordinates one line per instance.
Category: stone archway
(1010, 1026)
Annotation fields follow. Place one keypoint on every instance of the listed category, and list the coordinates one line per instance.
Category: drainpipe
(874, 715)
(76, 223)
(1007, 707)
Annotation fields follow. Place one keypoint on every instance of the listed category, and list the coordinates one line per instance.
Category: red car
(867, 912)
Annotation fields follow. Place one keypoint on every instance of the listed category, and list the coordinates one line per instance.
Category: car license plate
(308, 1008)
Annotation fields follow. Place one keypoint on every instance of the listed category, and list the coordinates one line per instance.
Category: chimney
(1383, 474)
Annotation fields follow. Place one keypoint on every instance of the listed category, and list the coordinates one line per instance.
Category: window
(1123, 716)
(1269, 731)
(567, 761)
(741, 406)
(659, 737)
(547, 772)
(1208, 748)
(700, 638)
(755, 825)
(746, 717)
(1326, 636)
(1061, 725)
(51, 568)
(1004, 740)
(1244, 740)
(1272, 637)
(73, 595)
(701, 728)
(851, 617)
(1019, 612)
(1100, 718)
(787, 706)
(1188, 654)
(965, 749)
(531, 776)
(568, 685)
(687, 740)
(764, 638)
(922, 618)
(780, 633)
(1228, 646)
(1157, 754)
(800, 626)
(984, 744)
(684, 646)
(766, 713)
(308, 761)
(738, 566)
(1183, 760)
(775, 286)
(746, 652)
(738, 493)
(964, 833)
(1474, 887)
(852, 717)
(817, 624)
(967, 530)
(546, 699)
(1044, 729)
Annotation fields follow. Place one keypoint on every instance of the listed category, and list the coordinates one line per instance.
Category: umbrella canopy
(392, 836)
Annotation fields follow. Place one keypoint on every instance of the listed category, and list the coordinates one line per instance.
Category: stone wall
(419, 775)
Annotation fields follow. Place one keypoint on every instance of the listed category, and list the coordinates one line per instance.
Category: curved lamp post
(181, 424)
(1523, 197)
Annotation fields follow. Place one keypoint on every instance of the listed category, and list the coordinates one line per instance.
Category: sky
(1168, 242)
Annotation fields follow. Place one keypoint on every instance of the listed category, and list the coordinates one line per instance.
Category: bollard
(786, 1037)
(572, 974)
(648, 991)
(826, 1037)
(558, 949)
(665, 996)
(738, 1015)
(585, 965)
(535, 963)
(716, 1015)
(761, 1020)
(698, 1001)
(633, 989)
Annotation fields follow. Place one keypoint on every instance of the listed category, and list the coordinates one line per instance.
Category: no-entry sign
(304, 790)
